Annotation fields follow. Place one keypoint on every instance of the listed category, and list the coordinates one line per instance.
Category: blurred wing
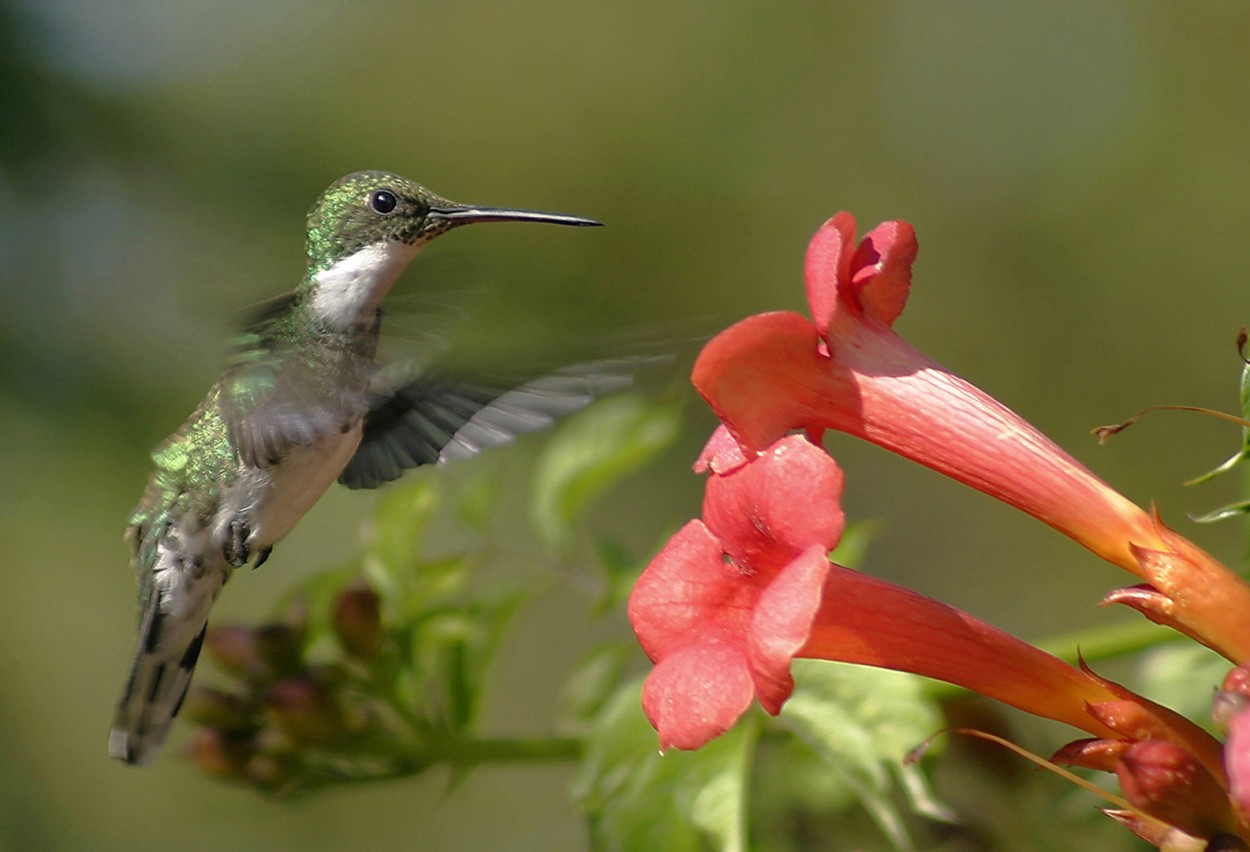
(278, 397)
(432, 422)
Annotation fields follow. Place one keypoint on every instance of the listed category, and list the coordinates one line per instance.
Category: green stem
(753, 724)
(473, 752)
(460, 754)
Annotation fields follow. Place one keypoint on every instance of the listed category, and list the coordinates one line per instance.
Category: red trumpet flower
(848, 370)
(734, 597)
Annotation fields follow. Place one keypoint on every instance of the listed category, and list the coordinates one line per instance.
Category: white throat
(349, 291)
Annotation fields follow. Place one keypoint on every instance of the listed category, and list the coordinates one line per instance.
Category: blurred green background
(1076, 172)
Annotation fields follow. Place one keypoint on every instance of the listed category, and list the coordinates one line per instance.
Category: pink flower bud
(358, 621)
(305, 710)
(1169, 784)
(233, 649)
(217, 752)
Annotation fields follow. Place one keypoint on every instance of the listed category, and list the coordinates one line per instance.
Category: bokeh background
(1076, 172)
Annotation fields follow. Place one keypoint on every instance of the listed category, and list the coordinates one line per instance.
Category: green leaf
(863, 721)
(621, 570)
(477, 497)
(1244, 395)
(452, 648)
(594, 680)
(393, 535)
(435, 583)
(720, 776)
(1183, 676)
(1232, 510)
(1224, 467)
(636, 798)
(853, 546)
(591, 451)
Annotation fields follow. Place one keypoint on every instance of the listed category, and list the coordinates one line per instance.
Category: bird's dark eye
(383, 201)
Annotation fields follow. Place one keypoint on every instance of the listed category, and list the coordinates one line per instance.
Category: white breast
(272, 500)
(352, 288)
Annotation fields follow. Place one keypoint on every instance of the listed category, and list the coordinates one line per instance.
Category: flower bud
(220, 753)
(304, 709)
(275, 741)
(280, 646)
(267, 772)
(232, 648)
(1169, 784)
(358, 621)
(1226, 706)
(1237, 751)
(1238, 680)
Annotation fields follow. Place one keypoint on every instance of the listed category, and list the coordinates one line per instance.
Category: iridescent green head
(371, 208)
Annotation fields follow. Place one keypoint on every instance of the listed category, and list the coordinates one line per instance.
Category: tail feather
(170, 639)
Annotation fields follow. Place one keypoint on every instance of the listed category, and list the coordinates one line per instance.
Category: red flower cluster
(732, 598)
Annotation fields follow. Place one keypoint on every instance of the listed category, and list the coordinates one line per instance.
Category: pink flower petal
(765, 375)
(881, 269)
(724, 606)
(688, 595)
(697, 694)
(721, 453)
(782, 622)
(1237, 758)
(767, 512)
(828, 267)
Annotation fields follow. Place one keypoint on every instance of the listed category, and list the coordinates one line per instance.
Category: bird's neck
(346, 294)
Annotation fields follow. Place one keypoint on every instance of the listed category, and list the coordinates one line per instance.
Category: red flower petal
(765, 375)
(881, 269)
(828, 267)
(1237, 758)
(697, 694)
(767, 512)
(782, 622)
(721, 453)
(688, 595)
(729, 600)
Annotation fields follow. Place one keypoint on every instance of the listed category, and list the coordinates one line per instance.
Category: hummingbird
(303, 403)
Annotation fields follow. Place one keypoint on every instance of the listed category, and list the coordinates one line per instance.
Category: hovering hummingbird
(301, 404)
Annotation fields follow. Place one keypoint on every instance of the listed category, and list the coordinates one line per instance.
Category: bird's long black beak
(464, 214)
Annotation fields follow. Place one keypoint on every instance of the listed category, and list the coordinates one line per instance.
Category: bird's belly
(297, 482)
